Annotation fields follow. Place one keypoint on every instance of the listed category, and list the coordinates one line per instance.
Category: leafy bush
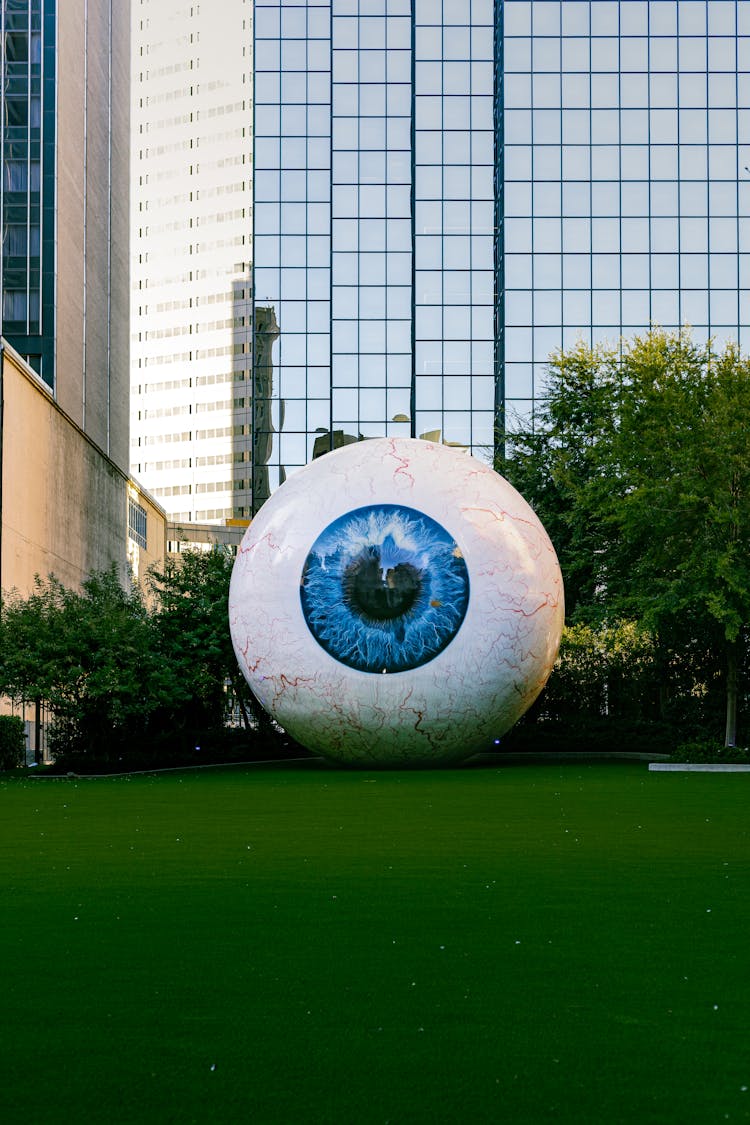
(171, 749)
(710, 751)
(91, 655)
(600, 671)
(590, 735)
(131, 683)
(12, 742)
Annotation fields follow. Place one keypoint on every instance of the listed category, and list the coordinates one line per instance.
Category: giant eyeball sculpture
(396, 603)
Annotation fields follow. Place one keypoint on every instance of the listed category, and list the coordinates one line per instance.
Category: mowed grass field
(300, 944)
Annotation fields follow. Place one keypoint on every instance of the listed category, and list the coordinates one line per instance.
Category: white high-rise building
(191, 203)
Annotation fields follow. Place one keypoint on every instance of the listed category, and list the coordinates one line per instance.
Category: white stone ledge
(699, 767)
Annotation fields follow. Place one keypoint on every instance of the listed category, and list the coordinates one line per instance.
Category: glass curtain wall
(27, 186)
(627, 189)
(376, 257)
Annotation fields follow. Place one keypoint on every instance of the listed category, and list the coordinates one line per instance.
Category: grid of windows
(454, 192)
(26, 197)
(627, 190)
(375, 226)
(191, 217)
(442, 186)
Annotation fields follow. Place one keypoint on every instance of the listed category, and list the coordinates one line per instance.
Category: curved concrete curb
(167, 769)
(699, 767)
(572, 756)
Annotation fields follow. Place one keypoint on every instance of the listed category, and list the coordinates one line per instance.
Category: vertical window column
(454, 193)
(291, 368)
(21, 186)
(371, 290)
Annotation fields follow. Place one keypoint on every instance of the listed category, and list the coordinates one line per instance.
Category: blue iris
(384, 588)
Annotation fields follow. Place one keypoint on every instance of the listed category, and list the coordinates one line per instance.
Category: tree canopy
(122, 678)
(638, 464)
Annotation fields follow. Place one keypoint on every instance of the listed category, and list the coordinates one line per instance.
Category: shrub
(590, 735)
(710, 750)
(12, 742)
(604, 671)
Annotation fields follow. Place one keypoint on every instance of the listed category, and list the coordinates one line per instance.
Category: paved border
(486, 758)
(70, 776)
(515, 756)
(699, 767)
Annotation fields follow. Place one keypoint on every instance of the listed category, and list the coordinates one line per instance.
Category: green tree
(683, 517)
(190, 620)
(560, 465)
(129, 681)
(26, 650)
(90, 655)
(638, 464)
(602, 670)
(191, 597)
(12, 742)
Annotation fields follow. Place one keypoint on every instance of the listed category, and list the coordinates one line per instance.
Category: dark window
(137, 523)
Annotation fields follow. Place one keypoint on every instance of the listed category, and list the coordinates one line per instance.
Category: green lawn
(297, 944)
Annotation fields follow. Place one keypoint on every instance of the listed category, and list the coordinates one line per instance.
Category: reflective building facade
(376, 158)
(627, 194)
(448, 190)
(28, 83)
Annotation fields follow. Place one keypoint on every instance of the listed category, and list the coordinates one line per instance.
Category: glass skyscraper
(627, 193)
(448, 190)
(376, 255)
(28, 180)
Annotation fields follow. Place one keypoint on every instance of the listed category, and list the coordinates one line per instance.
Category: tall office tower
(377, 224)
(191, 235)
(627, 191)
(446, 191)
(64, 202)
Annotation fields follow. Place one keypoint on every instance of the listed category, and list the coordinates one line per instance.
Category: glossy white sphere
(396, 602)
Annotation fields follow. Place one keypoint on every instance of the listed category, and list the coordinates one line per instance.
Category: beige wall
(64, 502)
(92, 287)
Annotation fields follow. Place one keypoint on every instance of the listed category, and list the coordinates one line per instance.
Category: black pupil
(369, 591)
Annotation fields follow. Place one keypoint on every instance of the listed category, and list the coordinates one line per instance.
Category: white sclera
(475, 689)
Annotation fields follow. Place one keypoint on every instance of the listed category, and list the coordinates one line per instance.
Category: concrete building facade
(64, 199)
(68, 504)
(66, 507)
